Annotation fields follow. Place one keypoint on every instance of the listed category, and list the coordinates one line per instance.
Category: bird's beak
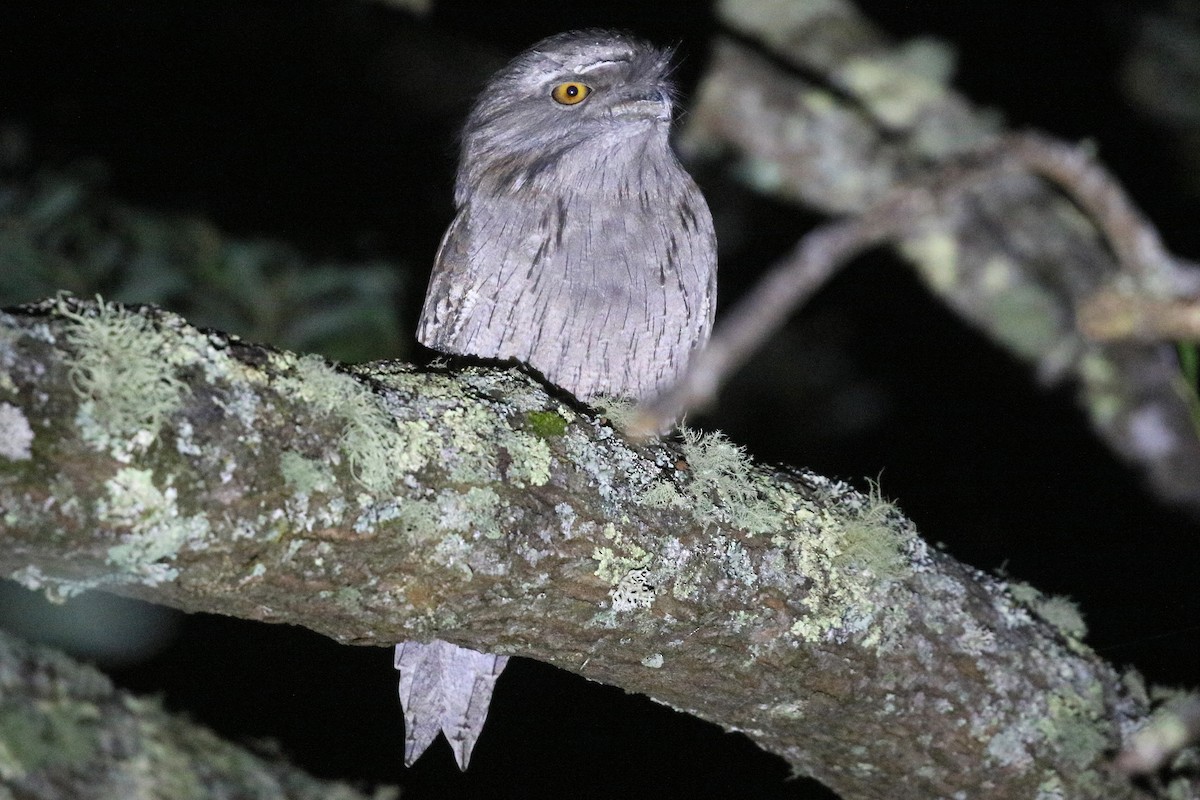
(652, 104)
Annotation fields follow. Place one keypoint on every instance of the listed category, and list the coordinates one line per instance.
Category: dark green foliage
(61, 231)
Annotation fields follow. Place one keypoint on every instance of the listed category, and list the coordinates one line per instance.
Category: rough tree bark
(383, 503)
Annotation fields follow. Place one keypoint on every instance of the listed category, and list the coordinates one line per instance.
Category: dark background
(331, 125)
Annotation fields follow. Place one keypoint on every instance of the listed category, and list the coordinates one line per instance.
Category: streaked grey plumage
(580, 247)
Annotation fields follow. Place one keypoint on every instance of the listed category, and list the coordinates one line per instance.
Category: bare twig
(1156, 298)
(763, 311)
(1114, 315)
(1073, 168)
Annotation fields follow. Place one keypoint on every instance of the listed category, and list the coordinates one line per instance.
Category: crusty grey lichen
(15, 434)
(840, 560)
(156, 529)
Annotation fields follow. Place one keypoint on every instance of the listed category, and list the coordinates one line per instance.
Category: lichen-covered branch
(383, 503)
(840, 119)
(66, 732)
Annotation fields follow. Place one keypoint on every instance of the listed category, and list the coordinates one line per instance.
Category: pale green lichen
(868, 542)
(531, 459)
(378, 448)
(722, 486)
(1073, 723)
(304, 474)
(619, 411)
(1024, 593)
(1076, 726)
(935, 255)
(847, 563)
(614, 563)
(1061, 612)
(662, 494)
(478, 438)
(385, 437)
(157, 531)
(841, 550)
(417, 444)
(116, 361)
(473, 456)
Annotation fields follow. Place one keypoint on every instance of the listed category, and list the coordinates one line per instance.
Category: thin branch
(823, 251)
(1133, 238)
(759, 314)
(1115, 316)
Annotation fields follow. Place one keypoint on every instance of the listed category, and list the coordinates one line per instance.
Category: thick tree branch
(66, 732)
(382, 503)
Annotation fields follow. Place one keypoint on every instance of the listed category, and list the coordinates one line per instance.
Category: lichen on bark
(771, 601)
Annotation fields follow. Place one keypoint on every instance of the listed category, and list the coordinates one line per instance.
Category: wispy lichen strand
(116, 362)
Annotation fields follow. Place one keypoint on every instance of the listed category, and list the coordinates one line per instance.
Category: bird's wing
(448, 300)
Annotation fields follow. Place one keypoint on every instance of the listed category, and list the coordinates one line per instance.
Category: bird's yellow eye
(570, 93)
